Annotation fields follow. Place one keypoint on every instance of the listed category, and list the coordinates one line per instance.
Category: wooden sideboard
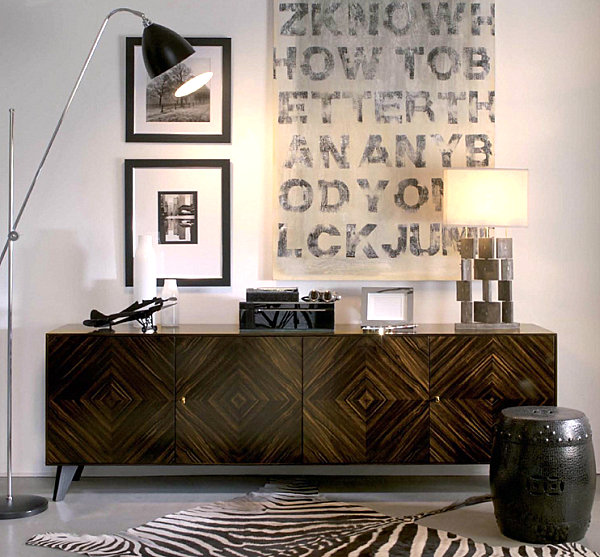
(215, 395)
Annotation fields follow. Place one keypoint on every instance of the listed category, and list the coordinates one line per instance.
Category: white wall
(70, 257)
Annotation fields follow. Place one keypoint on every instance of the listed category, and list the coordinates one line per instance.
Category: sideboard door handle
(183, 400)
(435, 399)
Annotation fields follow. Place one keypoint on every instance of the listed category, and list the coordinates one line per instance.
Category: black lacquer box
(272, 294)
(287, 316)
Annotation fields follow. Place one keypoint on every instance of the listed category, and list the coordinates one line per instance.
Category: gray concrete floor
(108, 505)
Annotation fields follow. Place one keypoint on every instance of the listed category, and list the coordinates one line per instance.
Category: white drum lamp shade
(485, 197)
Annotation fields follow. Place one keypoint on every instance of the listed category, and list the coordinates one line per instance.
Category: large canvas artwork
(374, 99)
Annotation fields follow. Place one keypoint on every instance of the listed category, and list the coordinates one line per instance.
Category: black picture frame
(140, 192)
(135, 79)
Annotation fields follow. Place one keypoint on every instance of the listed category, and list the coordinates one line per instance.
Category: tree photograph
(163, 106)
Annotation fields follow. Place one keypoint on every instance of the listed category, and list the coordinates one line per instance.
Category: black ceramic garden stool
(543, 474)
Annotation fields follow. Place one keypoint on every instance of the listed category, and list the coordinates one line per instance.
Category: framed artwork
(185, 205)
(387, 307)
(370, 108)
(154, 114)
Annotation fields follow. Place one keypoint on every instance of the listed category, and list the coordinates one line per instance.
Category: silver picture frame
(387, 307)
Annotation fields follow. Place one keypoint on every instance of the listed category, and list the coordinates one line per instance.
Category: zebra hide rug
(283, 520)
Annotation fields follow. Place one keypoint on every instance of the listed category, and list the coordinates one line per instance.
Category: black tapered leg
(64, 477)
(78, 473)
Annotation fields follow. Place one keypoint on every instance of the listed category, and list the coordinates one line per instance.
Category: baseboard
(298, 470)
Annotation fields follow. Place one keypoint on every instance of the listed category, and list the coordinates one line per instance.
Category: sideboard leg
(64, 477)
(78, 473)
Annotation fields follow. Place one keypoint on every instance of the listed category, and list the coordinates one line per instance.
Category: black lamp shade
(163, 49)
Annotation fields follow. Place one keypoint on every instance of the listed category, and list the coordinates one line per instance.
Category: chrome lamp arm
(13, 234)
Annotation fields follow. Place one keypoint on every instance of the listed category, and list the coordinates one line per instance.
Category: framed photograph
(387, 307)
(185, 206)
(154, 114)
(177, 217)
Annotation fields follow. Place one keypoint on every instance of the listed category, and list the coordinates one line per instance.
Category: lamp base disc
(486, 326)
(22, 506)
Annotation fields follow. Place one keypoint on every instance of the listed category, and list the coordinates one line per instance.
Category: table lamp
(481, 199)
(162, 49)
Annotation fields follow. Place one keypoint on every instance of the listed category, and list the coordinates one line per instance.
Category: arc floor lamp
(162, 49)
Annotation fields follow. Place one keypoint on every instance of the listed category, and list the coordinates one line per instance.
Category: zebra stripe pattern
(288, 521)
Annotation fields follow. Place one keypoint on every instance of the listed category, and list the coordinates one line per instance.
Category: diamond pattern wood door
(110, 399)
(366, 399)
(475, 377)
(239, 400)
